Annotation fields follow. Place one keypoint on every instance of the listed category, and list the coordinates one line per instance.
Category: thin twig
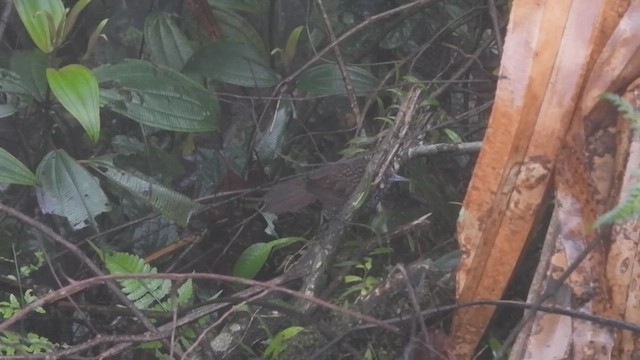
(282, 86)
(82, 257)
(553, 288)
(432, 149)
(80, 285)
(493, 12)
(342, 65)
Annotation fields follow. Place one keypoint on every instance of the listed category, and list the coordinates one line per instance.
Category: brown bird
(330, 184)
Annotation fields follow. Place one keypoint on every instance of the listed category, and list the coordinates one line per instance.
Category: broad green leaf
(398, 36)
(7, 110)
(252, 6)
(452, 135)
(41, 18)
(70, 19)
(12, 171)
(448, 261)
(171, 204)
(93, 39)
(351, 279)
(11, 84)
(169, 46)
(157, 96)
(495, 345)
(233, 63)
(237, 29)
(280, 243)
(126, 145)
(254, 257)
(292, 44)
(251, 260)
(211, 171)
(31, 67)
(154, 234)
(270, 139)
(156, 163)
(237, 143)
(67, 189)
(76, 88)
(326, 80)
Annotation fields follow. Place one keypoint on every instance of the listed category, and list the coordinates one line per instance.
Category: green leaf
(154, 234)
(352, 278)
(326, 80)
(7, 110)
(278, 343)
(12, 343)
(495, 345)
(629, 204)
(627, 208)
(76, 88)
(269, 140)
(12, 171)
(237, 29)
(157, 96)
(93, 39)
(254, 257)
(67, 189)
(233, 63)
(398, 36)
(159, 164)
(623, 106)
(70, 19)
(452, 135)
(237, 143)
(18, 93)
(126, 145)
(292, 44)
(169, 46)
(448, 261)
(251, 260)
(171, 204)
(151, 345)
(143, 292)
(211, 171)
(31, 67)
(253, 6)
(280, 243)
(185, 293)
(41, 19)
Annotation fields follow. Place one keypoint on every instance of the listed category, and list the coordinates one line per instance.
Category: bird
(330, 184)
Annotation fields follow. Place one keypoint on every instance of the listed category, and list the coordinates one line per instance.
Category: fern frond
(624, 107)
(143, 292)
(184, 295)
(629, 205)
(12, 343)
